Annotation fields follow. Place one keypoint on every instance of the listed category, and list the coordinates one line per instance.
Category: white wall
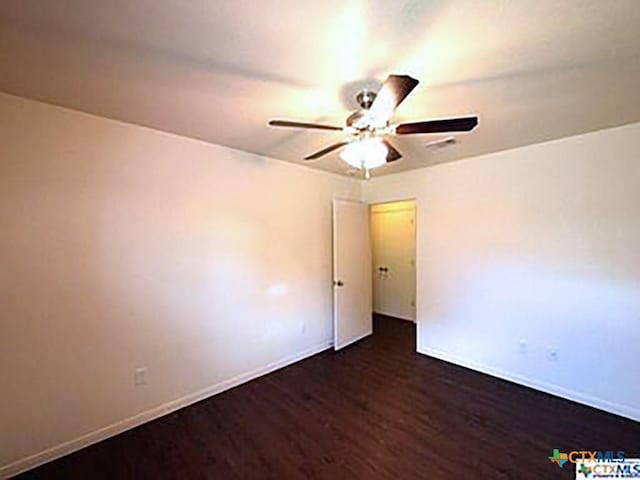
(540, 244)
(121, 247)
(393, 241)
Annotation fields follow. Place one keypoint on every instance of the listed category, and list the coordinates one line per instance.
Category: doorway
(393, 242)
(374, 269)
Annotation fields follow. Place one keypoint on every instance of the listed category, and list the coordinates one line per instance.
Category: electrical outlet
(553, 354)
(140, 376)
(523, 346)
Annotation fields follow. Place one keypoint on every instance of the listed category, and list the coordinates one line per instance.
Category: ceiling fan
(366, 145)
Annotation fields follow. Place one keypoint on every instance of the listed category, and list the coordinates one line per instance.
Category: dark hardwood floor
(376, 410)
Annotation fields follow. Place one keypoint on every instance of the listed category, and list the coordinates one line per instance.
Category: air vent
(442, 143)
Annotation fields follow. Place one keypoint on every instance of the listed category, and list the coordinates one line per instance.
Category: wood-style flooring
(376, 410)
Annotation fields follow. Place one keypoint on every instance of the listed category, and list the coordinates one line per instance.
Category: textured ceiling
(218, 70)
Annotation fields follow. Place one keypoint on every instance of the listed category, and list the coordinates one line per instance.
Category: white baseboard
(627, 411)
(395, 315)
(352, 341)
(83, 441)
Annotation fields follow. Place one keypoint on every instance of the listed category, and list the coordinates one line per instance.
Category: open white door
(351, 273)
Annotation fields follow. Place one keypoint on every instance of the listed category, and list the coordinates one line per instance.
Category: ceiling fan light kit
(365, 154)
(366, 145)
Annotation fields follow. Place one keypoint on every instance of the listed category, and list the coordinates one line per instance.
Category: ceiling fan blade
(287, 123)
(394, 90)
(393, 154)
(463, 124)
(324, 151)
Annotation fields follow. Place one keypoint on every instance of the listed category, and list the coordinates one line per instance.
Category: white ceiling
(218, 70)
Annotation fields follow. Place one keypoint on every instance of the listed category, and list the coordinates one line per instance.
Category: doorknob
(338, 283)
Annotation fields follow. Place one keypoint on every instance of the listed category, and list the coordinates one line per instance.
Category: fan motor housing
(365, 99)
(360, 119)
(357, 119)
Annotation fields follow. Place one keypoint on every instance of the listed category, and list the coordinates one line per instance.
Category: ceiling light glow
(368, 153)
